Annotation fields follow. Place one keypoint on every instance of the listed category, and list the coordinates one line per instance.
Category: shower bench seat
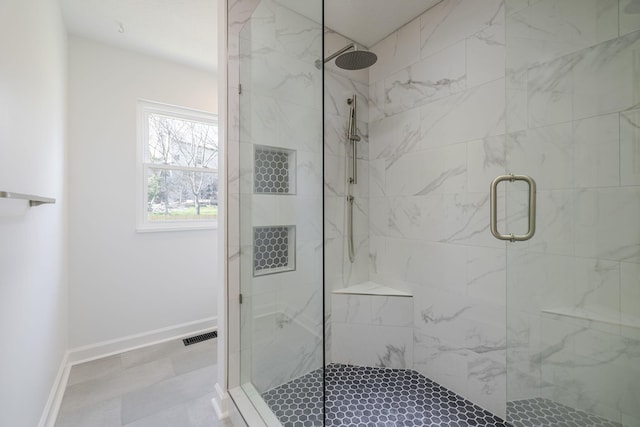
(372, 325)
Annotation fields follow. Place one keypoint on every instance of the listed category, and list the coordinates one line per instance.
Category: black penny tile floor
(364, 396)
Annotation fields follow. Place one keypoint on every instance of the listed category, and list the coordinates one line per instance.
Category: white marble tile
(394, 136)
(453, 20)
(629, 16)
(335, 129)
(466, 323)
(397, 51)
(543, 153)
(485, 52)
(417, 217)
(480, 109)
(513, 6)
(279, 75)
(597, 152)
(441, 362)
(485, 161)
(338, 89)
(630, 148)
(517, 114)
(434, 77)
(486, 274)
(487, 383)
(392, 311)
(629, 420)
(549, 29)
(308, 174)
(261, 28)
(605, 77)
(597, 285)
(334, 216)
(298, 127)
(292, 352)
(376, 100)
(298, 35)
(467, 216)
(555, 216)
(426, 172)
(426, 264)
(373, 345)
(630, 296)
(335, 175)
(606, 224)
(377, 178)
(537, 281)
(351, 309)
(549, 93)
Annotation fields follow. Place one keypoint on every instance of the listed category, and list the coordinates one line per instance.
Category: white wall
(33, 284)
(123, 282)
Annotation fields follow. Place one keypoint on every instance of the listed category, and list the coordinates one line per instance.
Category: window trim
(144, 108)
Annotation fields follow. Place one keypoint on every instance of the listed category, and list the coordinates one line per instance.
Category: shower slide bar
(33, 200)
(532, 208)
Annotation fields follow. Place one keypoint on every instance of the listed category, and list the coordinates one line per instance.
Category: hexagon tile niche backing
(273, 249)
(274, 170)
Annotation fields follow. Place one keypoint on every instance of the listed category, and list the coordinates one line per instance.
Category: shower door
(280, 205)
(573, 290)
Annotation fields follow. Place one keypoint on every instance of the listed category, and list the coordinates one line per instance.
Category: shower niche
(274, 170)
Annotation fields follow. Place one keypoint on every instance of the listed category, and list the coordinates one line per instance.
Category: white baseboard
(87, 353)
(220, 403)
(133, 342)
(50, 413)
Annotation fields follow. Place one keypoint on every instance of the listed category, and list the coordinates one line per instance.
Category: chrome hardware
(352, 254)
(532, 208)
(353, 138)
(33, 200)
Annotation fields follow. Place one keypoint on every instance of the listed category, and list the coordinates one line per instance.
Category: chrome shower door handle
(532, 208)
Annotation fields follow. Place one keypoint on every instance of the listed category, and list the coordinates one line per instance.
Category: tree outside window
(180, 167)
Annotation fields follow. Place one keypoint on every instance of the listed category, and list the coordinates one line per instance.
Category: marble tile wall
(372, 330)
(436, 140)
(572, 97)
(339, 85)
(272, 54)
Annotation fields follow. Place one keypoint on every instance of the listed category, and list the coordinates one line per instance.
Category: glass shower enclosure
(280, 202)
(565, 145)
(573, 290)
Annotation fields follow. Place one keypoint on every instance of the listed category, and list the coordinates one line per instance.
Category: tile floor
(372, 397)
(165, 385)
(363, 396)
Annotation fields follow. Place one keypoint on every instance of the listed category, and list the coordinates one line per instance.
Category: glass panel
(573, 291)
(176, 195)
(281, 209)
(180, 142)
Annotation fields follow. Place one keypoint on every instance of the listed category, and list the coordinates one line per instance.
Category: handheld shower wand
(353, 138)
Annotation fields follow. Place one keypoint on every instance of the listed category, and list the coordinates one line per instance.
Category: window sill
(175, 227)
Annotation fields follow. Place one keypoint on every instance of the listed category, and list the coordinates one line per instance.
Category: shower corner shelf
(33, 200)
(372, 288)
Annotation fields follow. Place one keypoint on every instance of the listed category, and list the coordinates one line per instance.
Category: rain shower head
(354, 60)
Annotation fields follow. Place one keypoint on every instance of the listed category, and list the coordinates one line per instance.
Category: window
(179, 168)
